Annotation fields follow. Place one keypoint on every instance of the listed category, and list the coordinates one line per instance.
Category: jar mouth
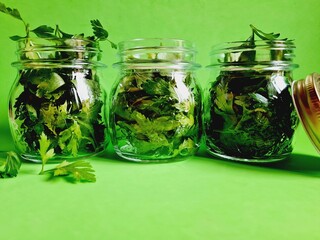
(144, 53)
(238, 45)
(156, 43)
(57, 64)
(52, 51)
(57, 43)
(157, 65)
(260, 53)
(258, 66)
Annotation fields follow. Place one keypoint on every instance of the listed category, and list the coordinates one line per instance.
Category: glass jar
(155, 104)
(56, 101)
(249, 111)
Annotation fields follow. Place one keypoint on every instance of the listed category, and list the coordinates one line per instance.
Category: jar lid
(306, 97)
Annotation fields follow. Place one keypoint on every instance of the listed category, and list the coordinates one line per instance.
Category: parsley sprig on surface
(10, 167)
(45, 151)
(80, 171)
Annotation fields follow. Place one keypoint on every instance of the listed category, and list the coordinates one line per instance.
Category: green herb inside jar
(155, 104)
(53, 102)
(156, 114)
(57, 94)
(250, 113)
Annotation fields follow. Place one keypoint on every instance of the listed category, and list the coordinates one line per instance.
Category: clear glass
(57, 99)
(155, 104)
(249, 111)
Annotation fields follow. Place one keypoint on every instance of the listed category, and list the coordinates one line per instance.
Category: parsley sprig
(79, 171)
(263, 35)
(45, 151)
(44, 31)
(100, 32)
(269, 38)
(10, 167)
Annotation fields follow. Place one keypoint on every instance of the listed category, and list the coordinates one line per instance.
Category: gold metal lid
(306, 97)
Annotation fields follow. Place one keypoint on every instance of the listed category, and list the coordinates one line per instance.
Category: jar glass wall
(56, 100)
(155, 104)
(249, 112)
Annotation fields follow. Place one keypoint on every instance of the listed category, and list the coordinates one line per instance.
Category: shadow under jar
(249, 111)
(56, 102)
(155, 104)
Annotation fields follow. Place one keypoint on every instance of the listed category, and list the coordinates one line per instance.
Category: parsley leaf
(100, 32)
(45, 151)
(61, 34)
(10, 167)
(79, 170)
(263, 35)
(12, 12)
(16, 14)
(250, 56)
(70, 139)
(16, 38)
(44, 31)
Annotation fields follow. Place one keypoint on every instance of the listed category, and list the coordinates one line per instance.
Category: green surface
(200, 198)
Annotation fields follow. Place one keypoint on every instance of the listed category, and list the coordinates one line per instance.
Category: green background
(200, 198)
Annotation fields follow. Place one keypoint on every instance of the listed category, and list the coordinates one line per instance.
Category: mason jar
(155, 104)
(56, 103)
(249, 113)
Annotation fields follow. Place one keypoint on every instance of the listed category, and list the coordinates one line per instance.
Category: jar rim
(53, 39)
(259, 44)
(57, 64)
(49, 44)
(260, 54)
(151, 53)
(267, 65)
(53, 52)
(156, 43)
(157, 65)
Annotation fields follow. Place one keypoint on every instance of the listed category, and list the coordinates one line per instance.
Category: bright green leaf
(12, 12)
(79, 170)
(45, 152)
(44, 31)
(10, 167)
